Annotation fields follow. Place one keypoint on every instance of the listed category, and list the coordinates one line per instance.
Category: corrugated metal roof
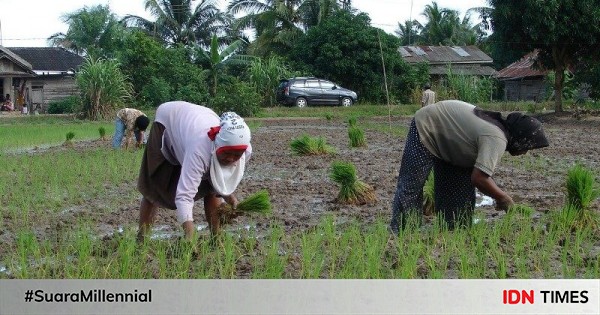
(446, 54)
(49, 58)
(471, 69)
(521, 68)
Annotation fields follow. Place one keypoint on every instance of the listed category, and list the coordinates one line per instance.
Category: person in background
(191, 153)
(428, 97)
(130, 122)
(463, 144)
(8, 104)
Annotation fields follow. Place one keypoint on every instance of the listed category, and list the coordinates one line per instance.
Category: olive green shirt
(451, 131)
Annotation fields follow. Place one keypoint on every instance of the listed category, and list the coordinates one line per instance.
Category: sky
(28, 23)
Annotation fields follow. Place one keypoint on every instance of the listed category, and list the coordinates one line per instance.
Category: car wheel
(346, 101)
(301, 102)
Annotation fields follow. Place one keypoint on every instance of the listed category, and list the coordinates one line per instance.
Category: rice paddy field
(71, 211)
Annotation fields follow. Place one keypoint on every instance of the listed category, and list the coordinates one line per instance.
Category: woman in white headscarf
(192, 153)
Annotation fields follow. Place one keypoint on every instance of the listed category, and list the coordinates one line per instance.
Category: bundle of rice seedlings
(69, 137)
(256, 203)
(352, 190)
(357, 137)
(102, 132)
(329, 116)
(581, 190)
(306, 145)
(351, 121)
(429, 196)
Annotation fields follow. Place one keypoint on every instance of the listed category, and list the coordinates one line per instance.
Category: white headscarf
(232, 134)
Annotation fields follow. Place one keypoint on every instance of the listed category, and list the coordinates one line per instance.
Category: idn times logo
(544, 296)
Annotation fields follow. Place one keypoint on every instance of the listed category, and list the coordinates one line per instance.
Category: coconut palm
(92, 31)
(277, 23)
(177, 22)
(409, 32)
(316, 11)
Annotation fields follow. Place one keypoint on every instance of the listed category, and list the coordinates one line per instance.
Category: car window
(283, 84)
(298, 83)
(326, 84)
(312, 83)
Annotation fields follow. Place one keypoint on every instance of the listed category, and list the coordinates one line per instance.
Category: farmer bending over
(191, 154)
(463, 144)
(130, 122)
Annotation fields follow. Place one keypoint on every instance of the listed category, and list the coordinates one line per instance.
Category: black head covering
(524, 133)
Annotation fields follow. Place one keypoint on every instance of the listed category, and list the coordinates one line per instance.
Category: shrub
(238, 97)
(352, 190)
(68, 105)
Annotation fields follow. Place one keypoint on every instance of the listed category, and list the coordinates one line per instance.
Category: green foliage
(328, 116)
(258, 202)
(161, 74)
(216, 59)
(561, 30)
(68, 105)
(102, 132)
(93, 31)
(103, 86)
(468, 88)
(306, 145)
(156, 92)
(357, 137)
(581, 187)
(352, 190)
(236, 96)
(345, 49)
(265, 74)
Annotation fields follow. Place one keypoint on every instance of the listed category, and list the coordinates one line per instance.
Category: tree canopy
(564, 31)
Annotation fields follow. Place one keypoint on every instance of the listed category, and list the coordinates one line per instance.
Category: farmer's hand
(504, 203)
(232, 201)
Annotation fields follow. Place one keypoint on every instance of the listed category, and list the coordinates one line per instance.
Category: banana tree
(216, 60)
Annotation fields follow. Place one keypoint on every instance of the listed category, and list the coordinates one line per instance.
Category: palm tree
(316, 11)
(178, 23)
(409, 32)
(440, 26)
(277, 23)
(215, 60)
(92, 31)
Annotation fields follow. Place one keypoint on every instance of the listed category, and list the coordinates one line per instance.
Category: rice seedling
(521, 209)
(69, 139)
(352, 121)
(581, 190)
(256, 203)
(328, 116)
(306, 145)
(357, 137)
(102, 132)
(352, 190)
(429, 196)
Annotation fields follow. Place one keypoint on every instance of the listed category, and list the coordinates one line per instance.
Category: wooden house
(522, 82)
(37, 76)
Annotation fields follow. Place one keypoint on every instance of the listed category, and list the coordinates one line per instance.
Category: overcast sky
(28, 23)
